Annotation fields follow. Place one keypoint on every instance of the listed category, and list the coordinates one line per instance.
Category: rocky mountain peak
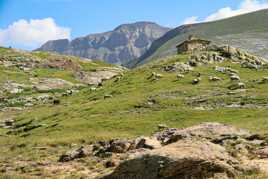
(125, 43)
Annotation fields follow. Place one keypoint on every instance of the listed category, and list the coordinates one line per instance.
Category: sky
(27, 24)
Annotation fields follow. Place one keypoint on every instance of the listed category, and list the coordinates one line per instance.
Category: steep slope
(177, 91)
(247, 31)
(123, 44)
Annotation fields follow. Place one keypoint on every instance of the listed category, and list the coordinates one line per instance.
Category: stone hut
(192, 44)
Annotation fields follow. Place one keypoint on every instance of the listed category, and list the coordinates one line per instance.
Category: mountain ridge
(238, 31)
(121, 45)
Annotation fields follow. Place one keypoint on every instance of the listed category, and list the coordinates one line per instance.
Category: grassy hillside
(126, 107)
(247, 31)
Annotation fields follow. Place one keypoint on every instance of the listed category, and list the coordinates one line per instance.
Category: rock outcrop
(47, 84)
(183, 159)
(224, 53)
(205, 151)
(98, 76)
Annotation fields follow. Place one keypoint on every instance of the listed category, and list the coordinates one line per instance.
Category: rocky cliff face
(124, 43)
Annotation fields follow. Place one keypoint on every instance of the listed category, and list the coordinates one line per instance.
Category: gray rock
(123, 44)
(211, 131)
(47, 84)
(251, 66)
(74, 154)
(98, 76)
(226, 70)
(183, 159)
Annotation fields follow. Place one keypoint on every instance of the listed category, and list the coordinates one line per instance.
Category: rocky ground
(66, 117)
(39, 88)
(208, 150)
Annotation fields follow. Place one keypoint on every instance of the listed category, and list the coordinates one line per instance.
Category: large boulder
(210, 131)
(47, 84)
(179, 67)
(185, 159)
(74, 154)
(98, 76)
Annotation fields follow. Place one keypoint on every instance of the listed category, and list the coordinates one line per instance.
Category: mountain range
(248, 32)
(135, 44)
(120, 46)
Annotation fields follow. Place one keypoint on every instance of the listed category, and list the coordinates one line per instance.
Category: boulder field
(205, 151)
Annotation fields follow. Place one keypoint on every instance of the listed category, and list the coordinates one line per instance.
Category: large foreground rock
(205, 151)
(185, 159)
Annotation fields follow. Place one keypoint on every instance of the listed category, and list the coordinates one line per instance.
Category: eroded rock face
(183, 159)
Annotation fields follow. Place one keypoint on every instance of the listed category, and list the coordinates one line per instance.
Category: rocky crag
(125, 43)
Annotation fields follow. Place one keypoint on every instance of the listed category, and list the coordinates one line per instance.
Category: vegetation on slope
(126, 107)
(247, 31)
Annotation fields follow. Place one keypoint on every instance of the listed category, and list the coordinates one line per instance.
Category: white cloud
(245, 7)
(31, 34)
(191, 20)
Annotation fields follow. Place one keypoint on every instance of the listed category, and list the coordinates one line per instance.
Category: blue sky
(74, 18)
